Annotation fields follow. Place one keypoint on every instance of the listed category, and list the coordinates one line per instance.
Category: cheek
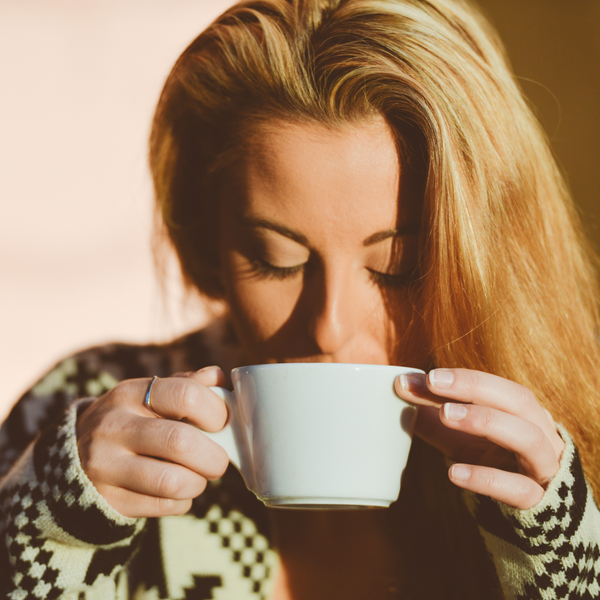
(260, 307)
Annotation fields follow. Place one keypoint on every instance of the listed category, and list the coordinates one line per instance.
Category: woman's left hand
(503, 443)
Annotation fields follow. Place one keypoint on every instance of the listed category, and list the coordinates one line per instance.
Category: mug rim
(331, 365)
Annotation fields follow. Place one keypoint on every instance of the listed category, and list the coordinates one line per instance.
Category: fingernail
(455, 412)
(460, 472)
(441, 378)
(412, 382)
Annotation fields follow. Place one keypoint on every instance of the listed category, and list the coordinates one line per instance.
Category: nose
(335, 311)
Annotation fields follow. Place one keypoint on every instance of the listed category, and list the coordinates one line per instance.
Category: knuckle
(95, 458)
(219, 463)
(196, 486)
(93, 467)
(110, 424)
(164, 506)
(526, 398)
(182, 507)
(537, 438)
(169, 484)
(470, 380)
(108, 492)
(214, 417)
(549, 417)
(201, 486)
(530, 493)
(177, 440)
(186, 396)
(128, 427)
(168, 506)
(487, 418)
(126, 389)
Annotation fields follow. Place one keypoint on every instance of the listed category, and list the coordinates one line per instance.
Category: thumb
(208, 376)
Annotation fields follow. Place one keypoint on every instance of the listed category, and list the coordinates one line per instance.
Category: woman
(359, 181)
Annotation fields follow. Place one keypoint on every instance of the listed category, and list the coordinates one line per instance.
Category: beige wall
(79, 79)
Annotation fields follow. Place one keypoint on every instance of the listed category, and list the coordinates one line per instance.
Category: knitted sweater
(61, 539)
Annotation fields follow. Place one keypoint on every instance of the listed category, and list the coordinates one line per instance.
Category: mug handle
(225, 437)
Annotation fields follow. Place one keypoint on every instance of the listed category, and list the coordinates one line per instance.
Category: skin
(306, 239)
(305, 258)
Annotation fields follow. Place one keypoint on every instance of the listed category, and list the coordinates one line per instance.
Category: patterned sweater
(61, 539)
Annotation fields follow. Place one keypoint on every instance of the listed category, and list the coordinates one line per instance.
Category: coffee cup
(318, 435)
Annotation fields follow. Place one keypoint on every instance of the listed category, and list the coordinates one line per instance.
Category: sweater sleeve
(60, 536)
(552, 550)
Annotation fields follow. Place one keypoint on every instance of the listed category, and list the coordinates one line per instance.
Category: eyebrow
(293, 235)
(407, 229)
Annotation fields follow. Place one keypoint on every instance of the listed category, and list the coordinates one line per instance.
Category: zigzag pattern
(33, 578)
(557, 539)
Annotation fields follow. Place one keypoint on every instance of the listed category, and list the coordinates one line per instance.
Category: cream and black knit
(62, 540)
(551, 550)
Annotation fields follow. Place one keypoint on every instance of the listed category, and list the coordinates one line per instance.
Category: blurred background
(79, 80)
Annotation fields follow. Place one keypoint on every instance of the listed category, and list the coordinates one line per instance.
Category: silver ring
(148, 398)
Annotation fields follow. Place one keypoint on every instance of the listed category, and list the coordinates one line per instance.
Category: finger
(412, 387)
(181, 398)
(209, 376)
(158, 478)
(514, 489)
(134, 505)
(452, 443)
(550, 418)
(179, 443)
(459, 446)
(535, 454)
(476, 387)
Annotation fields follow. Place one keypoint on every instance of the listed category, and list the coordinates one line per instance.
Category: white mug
(318, 435)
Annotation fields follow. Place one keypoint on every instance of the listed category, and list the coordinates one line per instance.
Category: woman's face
(318, 236)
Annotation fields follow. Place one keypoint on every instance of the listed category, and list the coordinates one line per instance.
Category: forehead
(308, 175)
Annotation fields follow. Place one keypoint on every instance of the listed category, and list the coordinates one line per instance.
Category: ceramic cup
(318, 435)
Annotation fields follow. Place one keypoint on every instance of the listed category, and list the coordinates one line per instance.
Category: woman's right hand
(145, 465)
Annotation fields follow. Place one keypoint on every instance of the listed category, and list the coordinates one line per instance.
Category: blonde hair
(506, 283)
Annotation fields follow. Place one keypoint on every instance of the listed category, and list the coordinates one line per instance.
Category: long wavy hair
(506, 282)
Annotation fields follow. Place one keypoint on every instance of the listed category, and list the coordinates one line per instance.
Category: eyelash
(391, 281)
(268, 271)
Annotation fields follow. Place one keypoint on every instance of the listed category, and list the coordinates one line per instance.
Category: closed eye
(391, 280)
(267, 271)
